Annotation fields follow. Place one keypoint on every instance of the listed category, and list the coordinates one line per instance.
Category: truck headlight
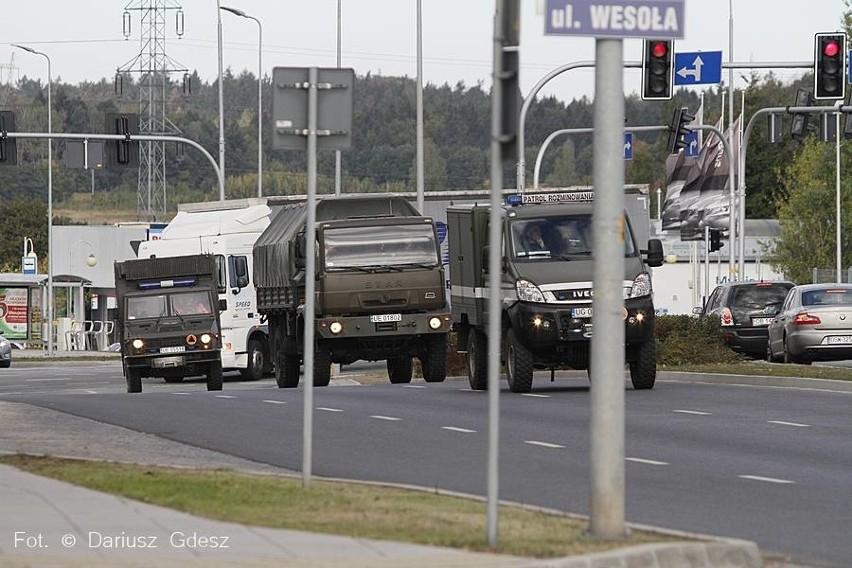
(138, 344)
(641, 286)
(206, 338)
(335, 327)
(435, 323)
(529, 292)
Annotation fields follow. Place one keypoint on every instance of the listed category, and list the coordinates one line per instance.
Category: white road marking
(533, 395)
(646, 462)
(414, 386)
(47, 380)
(380, 417)
(276, 401)
(543, 444)
(329, 409)
(767, 479)
(695, 412)
(224, 396)
(783, 423)
(180, 393)
(455, 429)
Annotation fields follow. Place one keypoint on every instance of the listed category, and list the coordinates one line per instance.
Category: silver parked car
(814, 323)
(5, 351)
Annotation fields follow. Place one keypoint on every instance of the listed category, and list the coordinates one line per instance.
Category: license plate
(839, 339)
(581, 312)
(761, 321)
(174, 349)
(382, 318)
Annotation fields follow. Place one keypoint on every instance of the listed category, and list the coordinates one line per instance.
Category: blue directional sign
(698, 68)
(628, 145)
(649, 19)
(692, 148)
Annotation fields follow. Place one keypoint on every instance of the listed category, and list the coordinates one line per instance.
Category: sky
(85, 39)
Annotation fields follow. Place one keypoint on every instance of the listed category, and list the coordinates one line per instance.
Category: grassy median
(351, 509)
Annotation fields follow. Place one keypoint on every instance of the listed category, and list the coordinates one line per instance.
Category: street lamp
(259, 93)
(221, 108)
(49, 310)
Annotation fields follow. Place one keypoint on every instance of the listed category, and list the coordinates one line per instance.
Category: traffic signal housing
(507, 69)
(799, 124)
(8, 146)
(123, 152)
(657, 69)
(829, 66)
(715, 240)
(678, 129)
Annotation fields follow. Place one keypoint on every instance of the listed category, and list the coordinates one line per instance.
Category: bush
(687, 340)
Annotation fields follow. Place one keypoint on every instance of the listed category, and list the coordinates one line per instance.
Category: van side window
(221, 274)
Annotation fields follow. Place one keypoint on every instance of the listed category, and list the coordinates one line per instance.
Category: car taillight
(804, 318)
(727, 317)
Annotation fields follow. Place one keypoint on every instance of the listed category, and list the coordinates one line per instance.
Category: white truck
(227, 230)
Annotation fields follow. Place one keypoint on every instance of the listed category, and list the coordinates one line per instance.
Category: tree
(564, 169)
(22, 218)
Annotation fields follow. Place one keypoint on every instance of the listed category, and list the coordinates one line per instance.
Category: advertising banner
(13, 313)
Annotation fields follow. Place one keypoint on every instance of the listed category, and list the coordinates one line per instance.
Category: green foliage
(687, 340)
(22, 218)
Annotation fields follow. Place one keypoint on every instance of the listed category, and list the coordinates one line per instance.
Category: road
(765, 464)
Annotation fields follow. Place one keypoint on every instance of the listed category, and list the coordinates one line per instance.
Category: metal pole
(310, 279)
(837, 190)
(706, 264)
(607, 421)
(337, 154)
(734, 230)
(420, 156)
(49, 308)
(259, 106)
(221, 108)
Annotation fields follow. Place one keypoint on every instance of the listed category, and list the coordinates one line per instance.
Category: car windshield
(758, 296)
(180, 304)
(827, 297)
(559, 237)
(381, 245)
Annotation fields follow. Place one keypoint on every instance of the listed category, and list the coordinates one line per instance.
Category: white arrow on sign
(627, 147)
(693, 144)
(695, 71)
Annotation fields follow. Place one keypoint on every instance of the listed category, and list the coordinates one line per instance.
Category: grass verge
(763, 368)
(350, 509)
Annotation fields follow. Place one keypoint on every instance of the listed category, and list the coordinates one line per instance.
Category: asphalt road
(766, 464)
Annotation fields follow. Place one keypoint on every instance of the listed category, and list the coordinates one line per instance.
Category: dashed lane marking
(694, 412)
(534, 395)
(276, 401)
(544, 444)
(389, 418)
(327, 409)
(456, 429)
(224, 396)
(646, 462)
(766, 479)
(784, 423)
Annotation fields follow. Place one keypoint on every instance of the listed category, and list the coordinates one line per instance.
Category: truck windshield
(559, 237)
(380, 245)
(184, 303)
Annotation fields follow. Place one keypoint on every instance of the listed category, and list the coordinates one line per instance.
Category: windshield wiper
(576, 255)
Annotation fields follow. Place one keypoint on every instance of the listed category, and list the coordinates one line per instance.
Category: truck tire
(477, 360)
(214, 376)
(433, 363)
(399, 370)
(519, 364)
(322, 365)
(134, 379)
(173, 376)
(256, 361)
(287, 370)
(643, 368)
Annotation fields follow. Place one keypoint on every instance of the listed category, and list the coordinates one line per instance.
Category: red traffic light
(831, 48)
(659, 49)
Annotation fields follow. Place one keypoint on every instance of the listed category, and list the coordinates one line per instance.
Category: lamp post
(221, 107)
(259, 93)
(337, 155)
(49, 310)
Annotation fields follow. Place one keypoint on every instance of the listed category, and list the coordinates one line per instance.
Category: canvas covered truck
(380, 292)
(169, 319)
(546, 287)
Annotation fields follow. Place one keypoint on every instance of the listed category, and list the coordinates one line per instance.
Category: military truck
(168, 317)
(380, 292)
(546, 286)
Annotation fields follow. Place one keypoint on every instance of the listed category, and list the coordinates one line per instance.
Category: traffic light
(829, 66)
(8, 146)
(715, 240)
(123, 152)
(799, 124)
(657, 69)
(678, 129)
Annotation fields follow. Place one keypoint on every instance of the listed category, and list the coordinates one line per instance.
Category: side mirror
(654, 254)
(238, 269)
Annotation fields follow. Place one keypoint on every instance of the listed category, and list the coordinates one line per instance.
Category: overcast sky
(85, 38)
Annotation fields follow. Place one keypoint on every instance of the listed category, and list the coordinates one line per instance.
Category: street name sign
(698, 68)
(651, 19)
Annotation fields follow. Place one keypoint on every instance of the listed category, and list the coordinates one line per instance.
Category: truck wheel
(322, 365)
(399, 370)
(287, 370)
(173, 376)
(434, 363)
(643, 369)
(256, 361)
(134, 379)
(477, 360)
(519, 363)
(214, 376)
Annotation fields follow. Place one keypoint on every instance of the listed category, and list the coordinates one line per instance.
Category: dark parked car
(5, 351)
(740, 307)
(814, 323)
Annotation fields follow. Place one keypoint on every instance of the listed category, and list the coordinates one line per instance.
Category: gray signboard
(650, 19)
(290, 108)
